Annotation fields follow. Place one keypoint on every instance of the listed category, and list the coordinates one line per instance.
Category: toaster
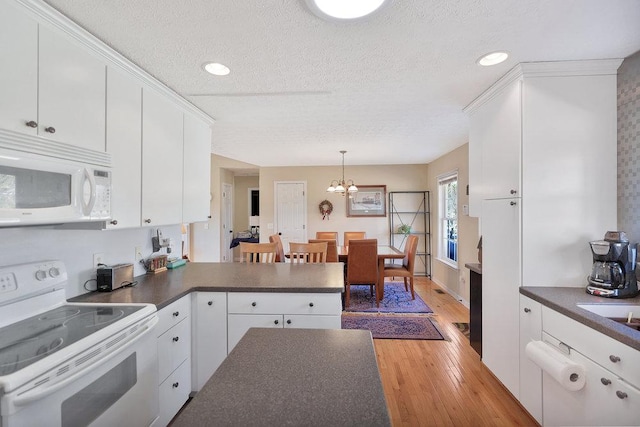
(112, 277)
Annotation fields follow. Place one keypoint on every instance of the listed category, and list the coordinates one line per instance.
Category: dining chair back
(258, 252)
(327, 235)
(406, 269)
(275, 238)
(362, 267)
(309, 253)
(332, 248)
(353, 235)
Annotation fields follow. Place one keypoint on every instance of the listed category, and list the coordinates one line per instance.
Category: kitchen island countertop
(308, 377)
(566, 300)
(163, 288)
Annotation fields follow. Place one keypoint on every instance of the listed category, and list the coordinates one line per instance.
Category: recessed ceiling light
(216, 69)
(492, 58)
(342, 9)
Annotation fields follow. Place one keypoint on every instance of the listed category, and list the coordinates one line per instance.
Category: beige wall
(456, 281)
(318, 178)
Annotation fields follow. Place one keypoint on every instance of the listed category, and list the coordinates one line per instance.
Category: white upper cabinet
(197, 170)
(19, 70)
(124, 143)
(162, 136)
(50, 86)
(71, 104)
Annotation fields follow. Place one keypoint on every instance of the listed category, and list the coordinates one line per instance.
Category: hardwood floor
(443, 383)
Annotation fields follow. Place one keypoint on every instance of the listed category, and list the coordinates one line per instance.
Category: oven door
(118, 390)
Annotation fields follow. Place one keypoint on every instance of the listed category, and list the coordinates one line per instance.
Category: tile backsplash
(629, 147)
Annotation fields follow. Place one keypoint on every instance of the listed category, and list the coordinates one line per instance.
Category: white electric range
(65, 364)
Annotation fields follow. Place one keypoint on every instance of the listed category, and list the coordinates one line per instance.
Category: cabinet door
(71, 96)
(530, 373)
(500, 293)
(174, 347)
(239, 324)
(161, 160)
(124, 143)
(498, 124)
(173, 393)
(19, 70)
(196, 195)
(209, 346)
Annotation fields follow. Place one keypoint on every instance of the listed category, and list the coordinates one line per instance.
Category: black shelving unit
(412, 208)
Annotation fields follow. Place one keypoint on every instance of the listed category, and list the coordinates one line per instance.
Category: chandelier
(340, 185)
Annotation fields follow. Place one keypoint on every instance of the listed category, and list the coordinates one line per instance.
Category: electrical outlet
(98, 259)
(138, 254)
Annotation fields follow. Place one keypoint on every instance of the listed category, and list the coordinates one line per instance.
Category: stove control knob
(41, 275)
(54, 272)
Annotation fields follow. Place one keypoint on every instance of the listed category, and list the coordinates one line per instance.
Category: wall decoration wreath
(326, 208)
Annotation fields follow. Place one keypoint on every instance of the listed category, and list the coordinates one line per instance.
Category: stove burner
(101, 317)
(43, 350)
(59, 314)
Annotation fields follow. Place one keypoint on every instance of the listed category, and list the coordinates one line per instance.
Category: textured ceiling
(389, 89)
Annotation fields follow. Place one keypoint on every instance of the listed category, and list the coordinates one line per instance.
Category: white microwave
(55, 187)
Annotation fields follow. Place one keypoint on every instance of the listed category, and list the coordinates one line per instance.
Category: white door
(291, 214)
(227, 222)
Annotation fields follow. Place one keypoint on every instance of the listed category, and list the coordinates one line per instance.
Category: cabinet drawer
(279, 303)
(174, 346)
(312, 322)
(174, 392)
(613, 355)
(173, 314)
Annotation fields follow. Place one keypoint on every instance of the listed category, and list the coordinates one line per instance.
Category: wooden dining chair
(308, 253)
(327, 235)
(405, 270)
(275, 238)
(353, 235)
(253, 253)
(332, 248)
(362, 267)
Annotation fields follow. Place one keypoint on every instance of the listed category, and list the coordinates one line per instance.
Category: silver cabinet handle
(614, 359)
(527, 310)
(621, 394)
(605, 381)
(114, 222)
(50, 129)
(32, 124)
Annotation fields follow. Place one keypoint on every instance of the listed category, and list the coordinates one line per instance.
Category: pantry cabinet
(197, 170)
(162, 144)
(209, 344)
(546, 133)
(54, 88)
(280, 310)
(124, 143)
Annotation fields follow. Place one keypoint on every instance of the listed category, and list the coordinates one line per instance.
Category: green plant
(404, 229)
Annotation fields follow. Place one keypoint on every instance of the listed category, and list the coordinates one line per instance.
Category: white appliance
(52, 183)
(68, 364)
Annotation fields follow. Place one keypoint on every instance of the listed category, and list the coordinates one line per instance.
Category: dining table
(385, 252)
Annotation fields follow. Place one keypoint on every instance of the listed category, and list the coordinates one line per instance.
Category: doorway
(227, 222)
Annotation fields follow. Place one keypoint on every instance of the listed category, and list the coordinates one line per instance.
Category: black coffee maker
(614, 267)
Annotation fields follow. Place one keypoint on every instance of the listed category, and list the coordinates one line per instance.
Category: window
(448, 215)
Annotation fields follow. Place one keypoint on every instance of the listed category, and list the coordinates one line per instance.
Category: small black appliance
(614, 267)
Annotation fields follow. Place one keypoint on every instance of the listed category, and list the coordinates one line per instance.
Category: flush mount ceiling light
(340, 185)
(216, 69)
(492, 58)
(344, 9)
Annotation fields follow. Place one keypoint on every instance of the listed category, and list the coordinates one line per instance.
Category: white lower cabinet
(174, 358)
(611, 395)
(530, 374)
(209, 338)
(280, 310)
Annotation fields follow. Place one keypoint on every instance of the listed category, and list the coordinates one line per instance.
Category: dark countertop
(564, 300)
(297, 377)
(163, 288)
(474, 267)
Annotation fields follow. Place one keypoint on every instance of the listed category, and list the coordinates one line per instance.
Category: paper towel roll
(569, 374)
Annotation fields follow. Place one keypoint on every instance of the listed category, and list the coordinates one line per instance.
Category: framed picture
(370, 200)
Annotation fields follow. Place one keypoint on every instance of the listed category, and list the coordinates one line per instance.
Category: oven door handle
(32, 396)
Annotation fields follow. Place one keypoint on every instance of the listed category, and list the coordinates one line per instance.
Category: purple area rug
(396, 300)
(389, 326)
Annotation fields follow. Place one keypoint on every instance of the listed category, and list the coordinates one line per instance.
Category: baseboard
(450, 292)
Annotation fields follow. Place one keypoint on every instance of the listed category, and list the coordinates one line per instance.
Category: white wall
(76, 248)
